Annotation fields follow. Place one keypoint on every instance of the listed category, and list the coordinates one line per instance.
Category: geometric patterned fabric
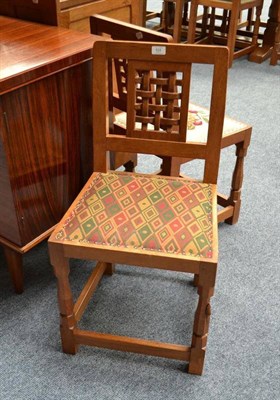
(170, 215)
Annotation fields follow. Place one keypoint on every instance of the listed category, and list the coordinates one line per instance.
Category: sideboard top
(29, 51)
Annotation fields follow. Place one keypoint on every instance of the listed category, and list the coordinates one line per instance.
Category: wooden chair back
(118, 30)
(153, 99)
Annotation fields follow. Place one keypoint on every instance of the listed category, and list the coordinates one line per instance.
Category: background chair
(143, 220)
(235, 133)
(175, 17)
(148, 14)
(228, 32)
(118, 30)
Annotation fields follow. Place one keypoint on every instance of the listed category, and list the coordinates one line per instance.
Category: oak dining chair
(142, 220)
(231, 31)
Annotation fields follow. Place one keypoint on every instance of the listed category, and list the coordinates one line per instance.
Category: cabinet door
(48, 147)
(9, 228)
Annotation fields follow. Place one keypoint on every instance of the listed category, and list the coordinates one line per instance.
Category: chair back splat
(154, 98)
(143, 220)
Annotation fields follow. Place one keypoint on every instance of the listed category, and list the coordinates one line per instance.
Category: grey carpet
(242, 359)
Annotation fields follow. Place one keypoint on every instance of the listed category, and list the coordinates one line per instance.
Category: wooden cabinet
(42, 126)
(43, 11)
(45, 130)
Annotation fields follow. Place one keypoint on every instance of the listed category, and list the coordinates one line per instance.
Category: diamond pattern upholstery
(162, 214)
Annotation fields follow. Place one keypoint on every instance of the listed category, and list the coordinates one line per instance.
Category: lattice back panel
(157, 100)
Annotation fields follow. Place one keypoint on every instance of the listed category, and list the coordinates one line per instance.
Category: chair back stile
(144, 107)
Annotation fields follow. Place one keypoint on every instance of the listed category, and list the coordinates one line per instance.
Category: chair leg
(206, 283)
(224, 22)
(204, 22)
(192, 22)
(195, 280)
(178, 21)
(256, 26)
(232, 34)
(212, 25)
(236, 184)
(14, 261)
(129, 166)
(65, 301)
(249, 19)
(110, 269)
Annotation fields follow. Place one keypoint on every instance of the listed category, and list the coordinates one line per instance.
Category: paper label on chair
(159, 50)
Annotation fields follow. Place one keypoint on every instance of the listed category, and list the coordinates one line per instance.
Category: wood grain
(45, 130)
(30, 51)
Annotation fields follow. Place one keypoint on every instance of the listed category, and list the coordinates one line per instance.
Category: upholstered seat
(198, 121)
(136, 211)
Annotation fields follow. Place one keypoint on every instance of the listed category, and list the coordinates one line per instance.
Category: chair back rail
(118, 30)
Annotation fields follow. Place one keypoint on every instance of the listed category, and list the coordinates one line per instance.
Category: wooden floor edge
(133, 345)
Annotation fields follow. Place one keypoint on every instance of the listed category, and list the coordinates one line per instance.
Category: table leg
(14, 261)
(262, 53)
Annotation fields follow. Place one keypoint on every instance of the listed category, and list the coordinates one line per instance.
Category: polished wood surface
(144, 105)
(25, 59)
(45, 128)
(43, 11)
(74, 14)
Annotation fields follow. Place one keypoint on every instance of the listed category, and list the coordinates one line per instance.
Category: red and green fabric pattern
(150, 213)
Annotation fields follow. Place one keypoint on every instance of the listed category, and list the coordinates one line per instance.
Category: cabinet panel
(48, 147)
